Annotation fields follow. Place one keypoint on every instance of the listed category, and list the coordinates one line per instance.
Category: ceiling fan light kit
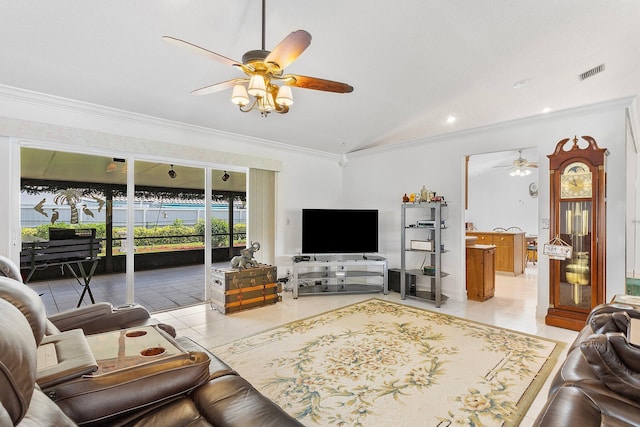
(265, 82)
(257, 86)
(520, 166)
(520, 171)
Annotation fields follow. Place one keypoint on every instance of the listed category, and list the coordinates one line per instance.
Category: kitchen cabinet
(481, 273)
(510, 249)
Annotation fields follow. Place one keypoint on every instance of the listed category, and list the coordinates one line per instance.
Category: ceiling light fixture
(172, 173)
(226, 176)
(520, 171)
(451, 119)
(111, 167)
(268, 97)
(520, 83)
(265, 87)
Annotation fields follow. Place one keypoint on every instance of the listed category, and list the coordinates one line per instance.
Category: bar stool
(532, 251)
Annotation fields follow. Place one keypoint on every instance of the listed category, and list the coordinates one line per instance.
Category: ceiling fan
(265, 80)
(520, 166)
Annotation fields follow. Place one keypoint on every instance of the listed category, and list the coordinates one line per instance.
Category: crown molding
(40, 99)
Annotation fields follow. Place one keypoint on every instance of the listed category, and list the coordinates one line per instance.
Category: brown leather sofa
(598, 384)
(190, 387)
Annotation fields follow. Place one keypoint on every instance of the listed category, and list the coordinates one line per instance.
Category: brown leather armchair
(194, 388)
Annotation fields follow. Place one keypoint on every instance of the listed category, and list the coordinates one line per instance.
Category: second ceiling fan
(264, 78)
(520, 166)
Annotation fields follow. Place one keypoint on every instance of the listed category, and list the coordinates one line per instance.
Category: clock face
(575, 181)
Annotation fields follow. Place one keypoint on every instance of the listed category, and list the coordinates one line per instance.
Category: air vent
(591, 72)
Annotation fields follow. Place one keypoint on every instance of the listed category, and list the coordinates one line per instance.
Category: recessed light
(520, 83)
(451, 119)
(545, 110)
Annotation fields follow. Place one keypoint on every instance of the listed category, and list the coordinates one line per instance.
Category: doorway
(501, 194)
(498, 200)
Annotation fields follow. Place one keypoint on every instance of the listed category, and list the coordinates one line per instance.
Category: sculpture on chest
(246, 258)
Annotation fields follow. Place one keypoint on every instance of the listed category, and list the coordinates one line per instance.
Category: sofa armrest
(231, 400)
(614, 308)
(96, 398)
(72, 358)
(576, 406)
(617, 321)
(615, 362)
(100, 317)
(217, 368)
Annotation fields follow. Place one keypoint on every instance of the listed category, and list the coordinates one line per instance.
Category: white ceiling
(37, 164)
(412, 63)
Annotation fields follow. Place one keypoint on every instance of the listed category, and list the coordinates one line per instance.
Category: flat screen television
(339, 231)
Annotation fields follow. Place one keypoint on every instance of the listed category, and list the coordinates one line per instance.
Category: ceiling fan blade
(201, 51)
(289, 49)
(217, 87)
(531, 165)
(315, 83)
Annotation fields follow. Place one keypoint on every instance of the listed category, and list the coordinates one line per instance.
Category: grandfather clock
(577, 283)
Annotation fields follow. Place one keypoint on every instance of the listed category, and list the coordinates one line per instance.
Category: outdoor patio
(157, 290)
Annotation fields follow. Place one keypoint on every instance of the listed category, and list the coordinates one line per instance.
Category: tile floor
(513, 307)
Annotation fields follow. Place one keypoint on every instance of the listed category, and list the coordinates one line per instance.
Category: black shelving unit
(423, 223)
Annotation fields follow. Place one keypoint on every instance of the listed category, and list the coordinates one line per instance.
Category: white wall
(499, 200)
(375, 178)
(10, 213)
(307, 180)
(304, 178)
(384, 175)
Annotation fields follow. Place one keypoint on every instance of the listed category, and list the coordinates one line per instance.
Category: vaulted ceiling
(412, 63)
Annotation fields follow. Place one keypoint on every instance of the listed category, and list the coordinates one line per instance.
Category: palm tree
(69, 196)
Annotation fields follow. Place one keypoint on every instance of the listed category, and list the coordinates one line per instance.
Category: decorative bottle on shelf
(424, 194)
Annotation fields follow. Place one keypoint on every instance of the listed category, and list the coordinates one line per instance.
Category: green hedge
(156, 235)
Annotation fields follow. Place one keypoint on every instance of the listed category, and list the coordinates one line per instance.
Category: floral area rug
(379, 363)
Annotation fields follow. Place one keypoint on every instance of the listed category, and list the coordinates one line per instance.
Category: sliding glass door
(168, 235)
(150, 219)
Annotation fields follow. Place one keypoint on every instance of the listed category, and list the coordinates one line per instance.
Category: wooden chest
(234, 290)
